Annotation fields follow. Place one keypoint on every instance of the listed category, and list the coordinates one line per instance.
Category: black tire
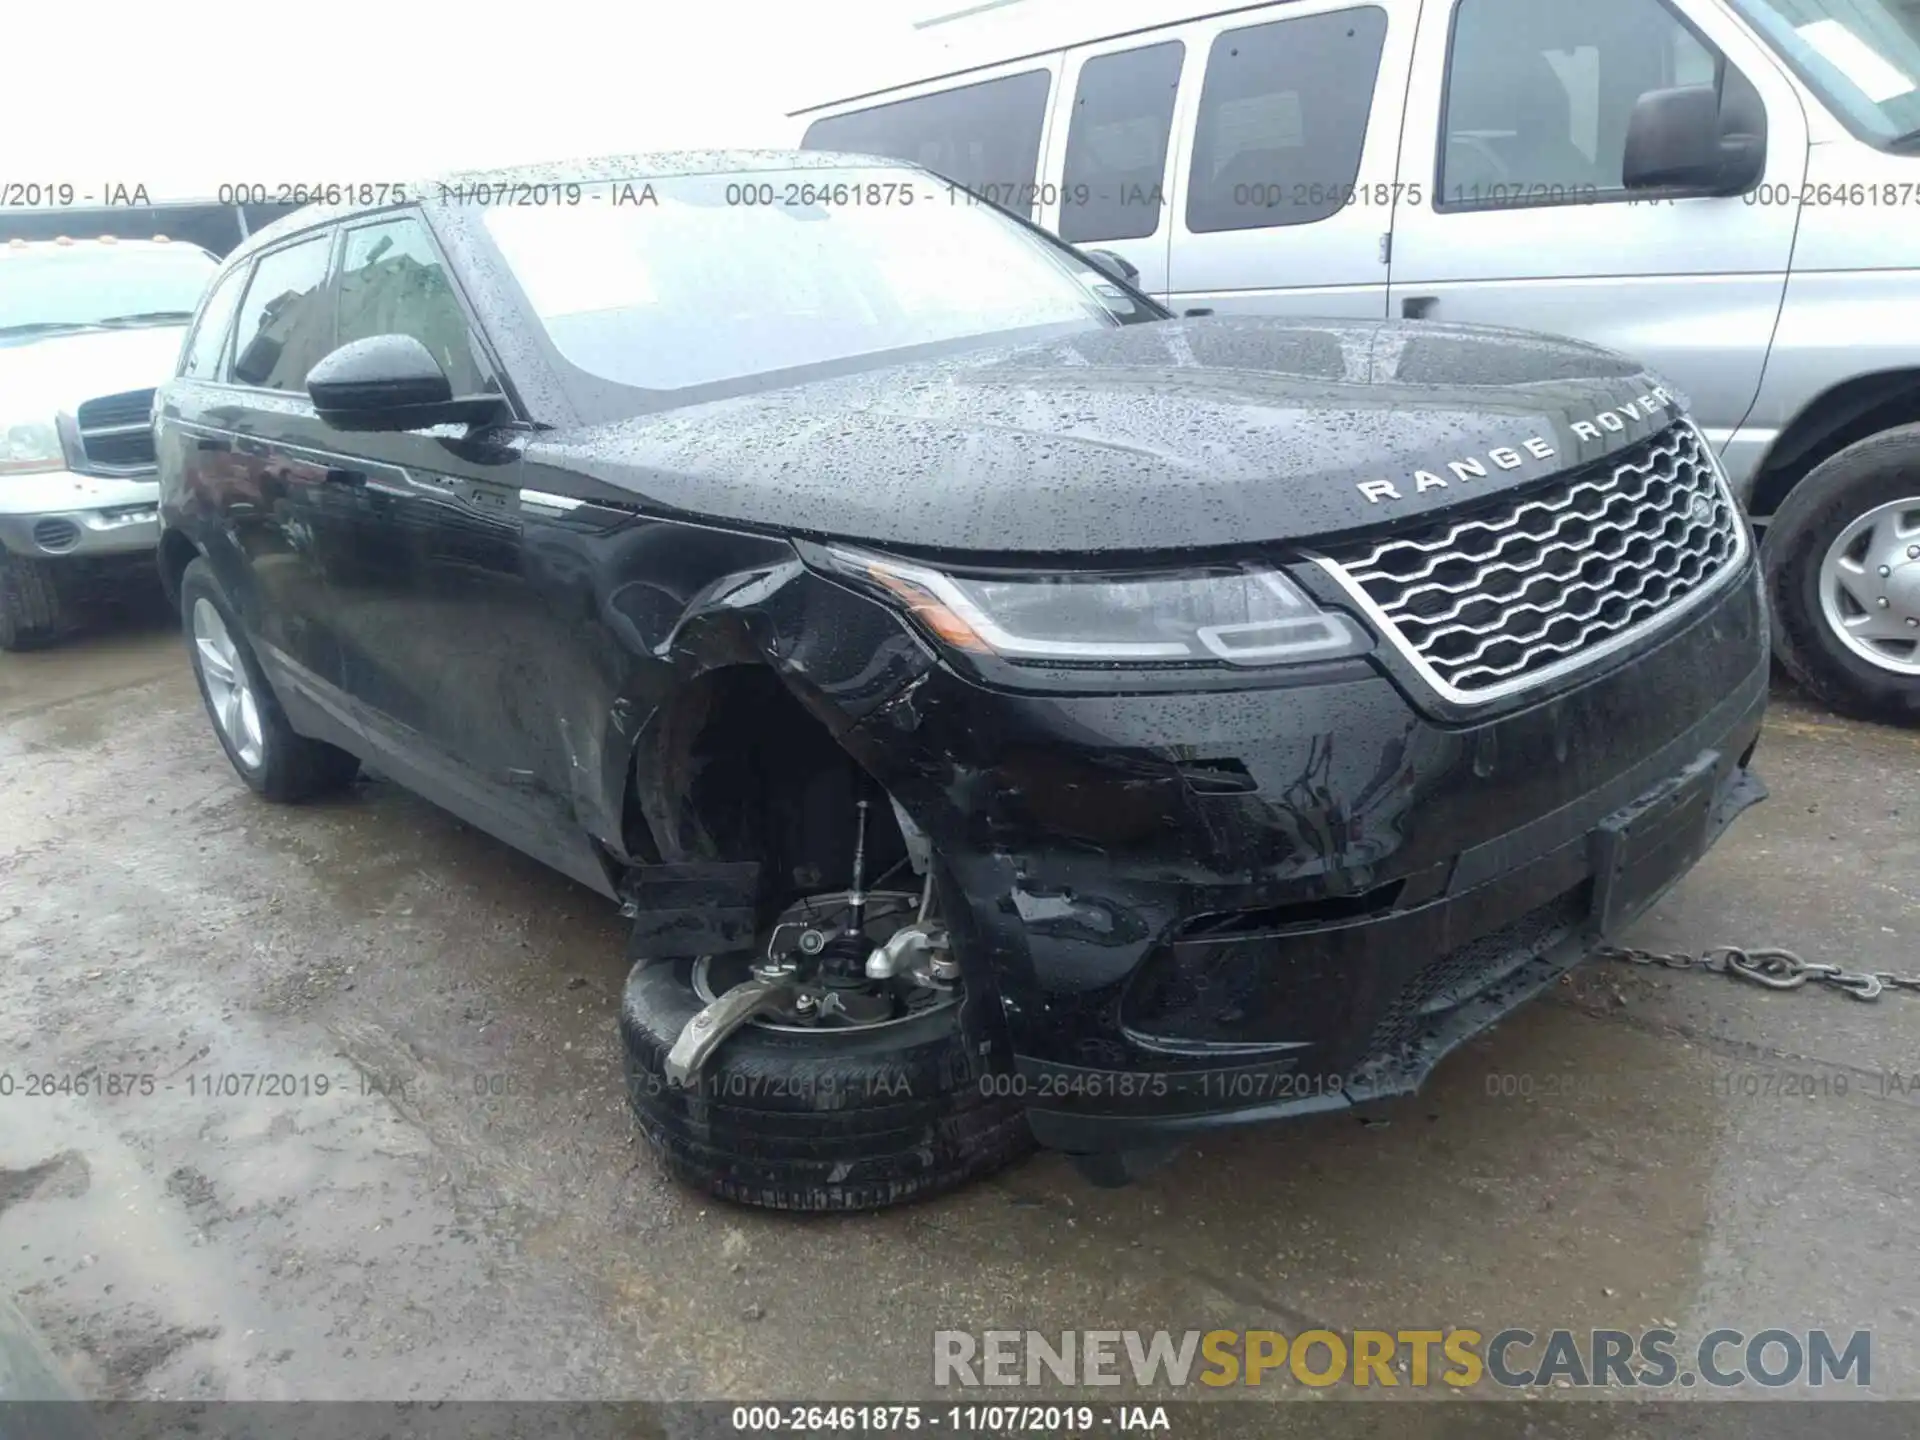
(836, 1121)
(31, 609)
(1882, 468)
(292, 767)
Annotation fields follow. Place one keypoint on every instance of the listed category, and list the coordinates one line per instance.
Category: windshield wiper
(42, 327)
(147, 317)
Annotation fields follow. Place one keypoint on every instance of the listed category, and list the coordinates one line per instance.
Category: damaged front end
(1200, 845)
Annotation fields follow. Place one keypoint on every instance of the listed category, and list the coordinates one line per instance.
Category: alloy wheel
(229, 691)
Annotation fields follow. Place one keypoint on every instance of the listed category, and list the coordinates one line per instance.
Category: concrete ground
(466, 1212)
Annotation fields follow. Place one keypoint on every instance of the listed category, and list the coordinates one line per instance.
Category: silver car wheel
(229, 691)
(1870, 586)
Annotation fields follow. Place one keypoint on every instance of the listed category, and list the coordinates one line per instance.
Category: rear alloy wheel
(1843, 574)
(32, 612)
(269, 755)
(846, 1096)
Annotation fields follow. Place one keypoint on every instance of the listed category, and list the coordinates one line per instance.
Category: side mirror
(392, 382)
(1680, 139)
(1117, 266)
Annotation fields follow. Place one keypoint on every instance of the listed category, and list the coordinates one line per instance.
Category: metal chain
(1775, 969)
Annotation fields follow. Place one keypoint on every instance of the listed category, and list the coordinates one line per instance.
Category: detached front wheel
(872, 1105)
(1843, 575)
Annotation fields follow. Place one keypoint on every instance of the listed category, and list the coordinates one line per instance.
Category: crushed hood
(1201, 433)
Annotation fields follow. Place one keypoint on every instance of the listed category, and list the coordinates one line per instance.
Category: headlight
(29, 447)
(1231, 614)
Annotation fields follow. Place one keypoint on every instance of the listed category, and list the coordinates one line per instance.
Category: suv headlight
(1214, 614)
(29, 447)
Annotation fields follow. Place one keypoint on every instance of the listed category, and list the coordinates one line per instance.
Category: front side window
(393, 283)
(985, 136)
(1540, 94)
(1117, 144)
(698, 288)
(90, 284)
(209, 340)
(1283, 120)
(285, 324)
(1862, 57)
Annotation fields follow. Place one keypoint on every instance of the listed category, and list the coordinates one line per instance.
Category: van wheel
(790, 1116)
(31, 610)
(269, 755)
(1843, 574)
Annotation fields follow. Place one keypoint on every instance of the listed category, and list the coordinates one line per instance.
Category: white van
(1728, 190)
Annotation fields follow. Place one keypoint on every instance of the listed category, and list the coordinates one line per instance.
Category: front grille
(1552, 577)
(116, 432)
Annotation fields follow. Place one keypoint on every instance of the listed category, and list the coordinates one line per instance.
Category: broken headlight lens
(1218, 614)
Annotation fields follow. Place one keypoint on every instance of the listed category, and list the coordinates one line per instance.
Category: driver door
(1516, 128)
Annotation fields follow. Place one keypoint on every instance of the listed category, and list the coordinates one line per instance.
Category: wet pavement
(433, 1190)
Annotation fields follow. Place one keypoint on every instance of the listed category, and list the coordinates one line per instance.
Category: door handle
(345, 477)
(1418, 307)
(213, 442)
(1196, 312)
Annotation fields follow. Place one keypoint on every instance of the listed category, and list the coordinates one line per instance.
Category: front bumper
(60, 513)
(1203, 909)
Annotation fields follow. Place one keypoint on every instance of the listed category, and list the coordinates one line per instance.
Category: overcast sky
(186, 96)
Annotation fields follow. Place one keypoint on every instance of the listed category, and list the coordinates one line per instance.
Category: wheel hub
(1903, 593)
(830, 986)
(1870, 586)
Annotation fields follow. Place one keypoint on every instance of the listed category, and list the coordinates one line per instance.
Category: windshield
(692, 280)
(1861, 56)
(100, 284)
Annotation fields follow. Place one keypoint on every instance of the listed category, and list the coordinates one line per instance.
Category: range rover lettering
(1007, 712)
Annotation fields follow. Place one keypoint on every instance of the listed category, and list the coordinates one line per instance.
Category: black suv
(1005, 710)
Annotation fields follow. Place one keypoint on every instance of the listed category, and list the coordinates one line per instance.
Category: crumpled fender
(687, 603)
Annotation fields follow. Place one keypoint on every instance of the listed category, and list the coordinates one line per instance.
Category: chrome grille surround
(1561, 576)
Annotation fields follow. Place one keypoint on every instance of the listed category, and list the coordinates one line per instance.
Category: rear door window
(286, 324)
(985, 137)
(207, 346)
(1117, 144)
(1283, 120)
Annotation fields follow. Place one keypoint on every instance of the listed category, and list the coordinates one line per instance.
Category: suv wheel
(817, 1117)
(1843, 575)
(253, 730)
(31, 612)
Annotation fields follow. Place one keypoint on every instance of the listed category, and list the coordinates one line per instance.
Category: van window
(1117, 144)
(1539, 94)
(1283, 120)
(392, 283)
(209, 340)
(1861, 57)
(985, 136)
(285, 322)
